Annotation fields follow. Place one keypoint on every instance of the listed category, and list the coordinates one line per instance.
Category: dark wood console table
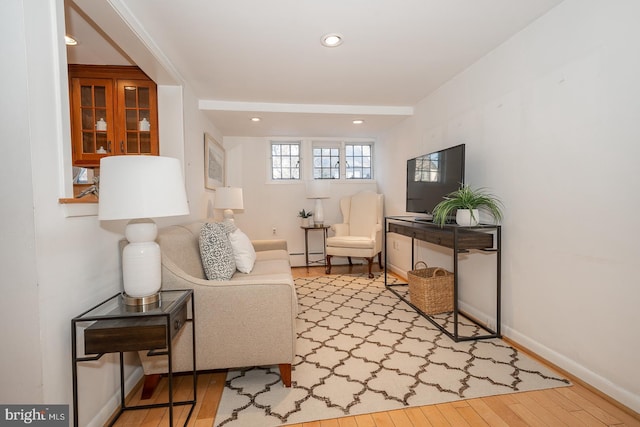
(461, 240)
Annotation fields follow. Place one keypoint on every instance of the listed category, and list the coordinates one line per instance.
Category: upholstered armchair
(360, 233)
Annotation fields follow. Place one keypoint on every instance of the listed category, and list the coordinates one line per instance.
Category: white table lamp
(140, 188)
(228, 199)
(318, 189)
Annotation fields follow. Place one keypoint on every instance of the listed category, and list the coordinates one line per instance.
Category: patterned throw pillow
(216, 252)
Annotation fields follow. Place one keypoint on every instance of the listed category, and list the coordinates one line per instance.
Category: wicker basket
(431, 289)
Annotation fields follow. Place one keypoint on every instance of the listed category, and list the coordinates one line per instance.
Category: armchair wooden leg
(285, 374)
(327, 270)
(349, 258)
(370, 263)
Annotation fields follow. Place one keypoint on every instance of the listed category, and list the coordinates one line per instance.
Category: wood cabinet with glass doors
(113, 112)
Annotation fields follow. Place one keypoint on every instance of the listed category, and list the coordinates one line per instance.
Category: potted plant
(466, 202)
(305, 215)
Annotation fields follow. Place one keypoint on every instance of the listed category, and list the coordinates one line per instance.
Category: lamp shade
(318, 189)
(141, 187)
(229, 198)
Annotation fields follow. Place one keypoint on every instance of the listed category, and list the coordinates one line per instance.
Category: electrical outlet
(273, 231)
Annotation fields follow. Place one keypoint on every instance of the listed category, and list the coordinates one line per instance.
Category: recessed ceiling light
(331, 40)
(255, 119)
(358, 122)
(70, 41)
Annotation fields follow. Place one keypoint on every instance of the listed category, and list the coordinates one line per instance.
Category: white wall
(18, 307)
(550, 119)
(268, 204)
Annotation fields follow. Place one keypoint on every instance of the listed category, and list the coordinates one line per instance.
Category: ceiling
(246, 58)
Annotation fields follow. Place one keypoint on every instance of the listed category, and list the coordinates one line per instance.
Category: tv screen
(432, 176)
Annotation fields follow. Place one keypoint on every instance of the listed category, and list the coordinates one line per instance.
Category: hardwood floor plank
(451, 414)
(435, 417)
(212, 395)
(540, 411)
(365, 420)
(500, 406)
(487, 413)
(417, 417)
(587, 419)
(542, 397)
(382, 419)
(529, 417)
(626, 415)
(472, 417)
(600, 414)
(347, 422)
(400, 418)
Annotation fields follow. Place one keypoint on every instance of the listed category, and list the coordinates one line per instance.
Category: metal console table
(461, 240)
(114, 327)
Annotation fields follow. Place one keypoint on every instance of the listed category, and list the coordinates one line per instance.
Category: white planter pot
(464, 218)
(305, 222)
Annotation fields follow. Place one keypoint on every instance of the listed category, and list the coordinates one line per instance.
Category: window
(358, 161)
(326, 163)
(285, 160)
(294, 160)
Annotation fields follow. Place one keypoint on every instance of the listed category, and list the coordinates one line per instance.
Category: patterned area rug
(360, 349)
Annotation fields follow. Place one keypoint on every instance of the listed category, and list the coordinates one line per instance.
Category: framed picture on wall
(214, 163)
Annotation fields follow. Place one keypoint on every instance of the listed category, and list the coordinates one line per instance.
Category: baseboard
(113, 404)
(616, 395)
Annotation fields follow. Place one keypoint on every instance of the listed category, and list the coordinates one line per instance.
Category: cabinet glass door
(93, 119)
(140, 117)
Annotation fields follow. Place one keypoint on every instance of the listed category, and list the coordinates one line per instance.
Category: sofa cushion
(216, 251)
(243, 251)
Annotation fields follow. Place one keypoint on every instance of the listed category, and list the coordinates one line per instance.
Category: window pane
(285, 160)
(359, 161)
(326, 163)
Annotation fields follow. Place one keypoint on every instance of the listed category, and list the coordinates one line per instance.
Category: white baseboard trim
(112, 405)
(624, 396)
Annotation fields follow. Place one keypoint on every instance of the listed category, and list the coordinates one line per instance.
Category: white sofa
(246, 321)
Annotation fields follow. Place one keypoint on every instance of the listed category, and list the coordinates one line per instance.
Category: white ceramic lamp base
(318, 213)
(141, 263)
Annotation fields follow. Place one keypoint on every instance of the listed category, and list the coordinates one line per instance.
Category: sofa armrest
(269, 245)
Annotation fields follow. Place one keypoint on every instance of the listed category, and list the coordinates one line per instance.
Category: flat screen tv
(432, 176)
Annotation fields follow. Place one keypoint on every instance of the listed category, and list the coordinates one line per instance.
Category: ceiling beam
(383, 110)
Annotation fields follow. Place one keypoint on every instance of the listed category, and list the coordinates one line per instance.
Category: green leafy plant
(305, 214)
(467, 198)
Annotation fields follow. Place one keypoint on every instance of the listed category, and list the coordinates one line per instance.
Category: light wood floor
(575, 405)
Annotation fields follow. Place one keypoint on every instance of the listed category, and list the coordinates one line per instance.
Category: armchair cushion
(355, 242)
